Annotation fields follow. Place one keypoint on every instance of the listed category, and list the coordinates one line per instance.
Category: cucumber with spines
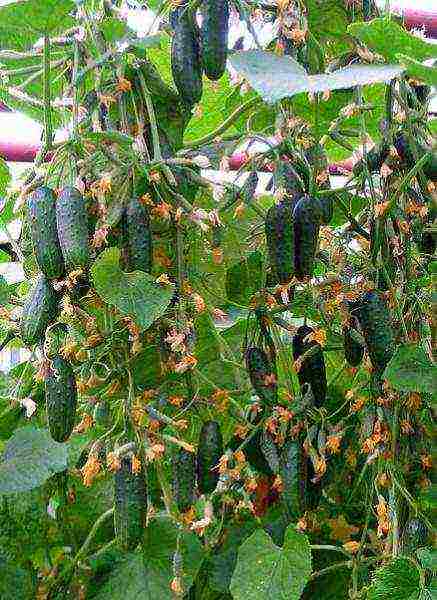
(186, 60)
(138, 237)
(262, 374)
(312, 370)
(214, 36)
(61, 399)
(270, 451)
(293, 469)
(72, 224)
(41, 309)
(44, 233)
(279, 230)
(353, 348)
(184, 478)
(208, 455)
(307, 217)
(130, 504)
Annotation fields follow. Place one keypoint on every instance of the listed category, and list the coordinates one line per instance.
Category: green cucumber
(40, 309)
(72, 223)
(312, 371)
(61, 399)
(214, 37)
(208, 455)
(287, 181)
(279, 237)
(262, 374)
(138, 238)
(353, 347)
(44, 233)
(185, 59)
(55, 338)
(307, 217)
(374, 319)
(293, 469)
(184, 479)
(270, 451)
(130, 505)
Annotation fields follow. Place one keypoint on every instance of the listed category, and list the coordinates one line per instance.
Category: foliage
(224, 438)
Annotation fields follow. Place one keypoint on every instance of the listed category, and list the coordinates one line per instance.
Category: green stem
(48, 128)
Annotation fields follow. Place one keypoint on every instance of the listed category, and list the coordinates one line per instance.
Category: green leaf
(244, 278)
(113, 29)
(5, 289)
(266, 571)
(149, 576)
(399, 580)
(417, 70)
(134, 294)
(38, 16)
(277, 77)
(410, 370)
(29, 459)
(5, 176)
(15, 582)
(384, 36)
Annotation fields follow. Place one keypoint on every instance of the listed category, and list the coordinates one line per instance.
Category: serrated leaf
(265, 570)
(149, 576)
(399, 580)
(136, 295)
(38, 16)
(410, 370)
(29, 459)
(276, 77)
(384, 36)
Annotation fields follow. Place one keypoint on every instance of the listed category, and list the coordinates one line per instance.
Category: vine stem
(152, 118)
(48, 127)
(209, 137)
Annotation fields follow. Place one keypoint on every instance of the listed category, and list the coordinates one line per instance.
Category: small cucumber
(138, 247)
(40, 309)
(312, 370)
(185, 59)
(72, 223)
(208, 455)
(279, 232)
(214, 36)
(353, 348)
(293, 469)
(44, 233)
(130, 505)
(307, 217)
(184, 479)
(61, 399)
(262, 374)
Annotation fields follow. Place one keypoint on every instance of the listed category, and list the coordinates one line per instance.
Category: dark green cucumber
(184, 479)
(40, 309)
(353, 348)
(214, 35)
(262, 374)
(373, 160)
(61, 399)
(185, 59)
(287, 181)
(374, 319)
(293, 469)
(307, 217)
(72, 223)
(208, 455)
(55, 338)
(312, 370)
(138, 245)
(415, 535)
(44, 232)
(279, 237)
(270, 451)
(130, 505)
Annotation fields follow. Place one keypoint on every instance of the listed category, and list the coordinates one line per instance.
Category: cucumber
(208, 455)
(374, 159)
(262, 374)
(54, 339)
(353, 348)
(287, 180)
(138, 237)
(185, 59)
(40, 309)
(184, 478)
(414, 536)
(130, 505)
(44, 233)
(72, 223)
(270, 451)
(307, 217)
(293, 469)
(61, 399)
(374, 319)
(279, 232)
(312, 371)
(214, 37)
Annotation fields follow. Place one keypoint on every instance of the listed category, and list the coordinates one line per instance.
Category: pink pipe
(18, 151)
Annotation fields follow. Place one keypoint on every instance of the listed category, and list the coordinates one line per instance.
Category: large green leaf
(29, 459)
(384, 36)
(276, 77)
(149, 577)
(38, 16)
(265, 570)
(410, 370)
(399, 580)
(134, 294)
